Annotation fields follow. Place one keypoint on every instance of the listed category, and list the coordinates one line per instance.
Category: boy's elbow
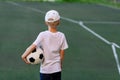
(22, 56)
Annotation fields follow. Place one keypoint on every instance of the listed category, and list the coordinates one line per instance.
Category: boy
(53, 43)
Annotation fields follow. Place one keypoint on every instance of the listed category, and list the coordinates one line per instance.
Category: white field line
(108, 6)
(116, 57)
(30, 8)
(112, 44)
(94, 33)
(101, 22)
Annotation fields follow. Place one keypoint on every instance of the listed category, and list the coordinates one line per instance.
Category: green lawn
(88, 58)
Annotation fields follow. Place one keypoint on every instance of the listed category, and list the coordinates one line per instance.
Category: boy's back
(51, 43)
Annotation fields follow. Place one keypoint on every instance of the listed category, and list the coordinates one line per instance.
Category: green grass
(88, 58)
(111, 3)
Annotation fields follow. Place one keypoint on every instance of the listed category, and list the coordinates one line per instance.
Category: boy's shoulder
(48, 32)
(43, 32)
(61, 33)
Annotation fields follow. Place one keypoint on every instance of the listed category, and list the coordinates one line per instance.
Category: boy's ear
(46, 23)
(58, 22)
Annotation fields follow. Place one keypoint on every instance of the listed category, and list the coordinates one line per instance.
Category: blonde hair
(53, 24)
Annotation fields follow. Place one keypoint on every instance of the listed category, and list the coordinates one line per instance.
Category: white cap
(52, 16)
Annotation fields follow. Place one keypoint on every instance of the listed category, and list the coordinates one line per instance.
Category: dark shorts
(53, 76)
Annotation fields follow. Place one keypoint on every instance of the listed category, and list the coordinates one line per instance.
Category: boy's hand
(25, 60)
(27, 52)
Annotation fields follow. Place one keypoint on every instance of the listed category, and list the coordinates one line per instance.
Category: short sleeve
(38, 40)
(64, 43)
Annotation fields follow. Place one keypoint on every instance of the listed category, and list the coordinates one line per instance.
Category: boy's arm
(27, 52)
(62, 56)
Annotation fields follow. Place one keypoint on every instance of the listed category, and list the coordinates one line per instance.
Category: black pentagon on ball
(41, 56)
(32, 59)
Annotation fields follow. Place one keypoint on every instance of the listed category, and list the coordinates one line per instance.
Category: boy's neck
(51, 29)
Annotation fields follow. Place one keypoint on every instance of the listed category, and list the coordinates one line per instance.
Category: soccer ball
(36, 56)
